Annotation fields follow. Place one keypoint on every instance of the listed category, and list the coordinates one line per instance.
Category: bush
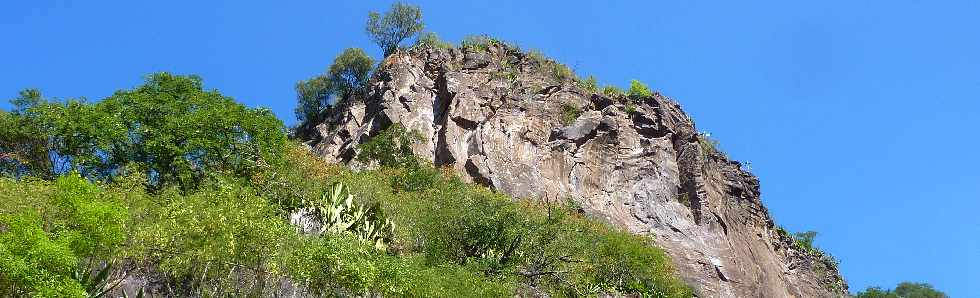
(613, 92)
(47, 229)
(569, 113)
(430, 39)
(638, 90)
(479, 43)
(590, 84)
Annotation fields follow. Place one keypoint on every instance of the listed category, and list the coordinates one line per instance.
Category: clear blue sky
(861, 119)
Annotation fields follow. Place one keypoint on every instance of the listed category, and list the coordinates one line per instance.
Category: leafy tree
(400, 22)
(903, 290)
(23, 142)
(312, 97)
(169, 128)
(350, 71)
(639, 90)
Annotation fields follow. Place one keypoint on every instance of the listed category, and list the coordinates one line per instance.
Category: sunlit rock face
(502, 119)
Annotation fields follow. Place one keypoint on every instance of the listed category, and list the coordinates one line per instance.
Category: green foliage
(638, 90)
(47, 228)
(590, 84)
(350, 72)
(392, 147)
(477, 42)
(554, 248)
(630, 108)
(170, 128)
(805, 239)
(613, 92)
(400, 22)
(217, 236)
(23, 147)
(569, 113)
(708, 145)
(903, 290)
(431, 39)
(312, 97)
(559, 72)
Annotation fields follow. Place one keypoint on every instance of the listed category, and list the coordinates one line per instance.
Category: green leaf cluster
(903, 290)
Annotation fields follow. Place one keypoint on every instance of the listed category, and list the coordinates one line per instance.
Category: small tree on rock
(350, 72)
(312, 96)
(401, 22)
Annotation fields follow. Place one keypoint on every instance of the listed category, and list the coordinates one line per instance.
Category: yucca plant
(338, 214)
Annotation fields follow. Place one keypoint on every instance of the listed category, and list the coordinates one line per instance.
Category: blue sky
(859, 117)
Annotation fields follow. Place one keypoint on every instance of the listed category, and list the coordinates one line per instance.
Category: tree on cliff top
(401, 22)
(350, 71)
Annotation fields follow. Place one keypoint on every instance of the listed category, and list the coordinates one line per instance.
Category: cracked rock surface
(498, 117)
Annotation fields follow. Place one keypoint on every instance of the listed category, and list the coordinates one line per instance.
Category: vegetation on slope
(193, 193)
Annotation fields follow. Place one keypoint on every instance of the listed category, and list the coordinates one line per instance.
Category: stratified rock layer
(503, 119)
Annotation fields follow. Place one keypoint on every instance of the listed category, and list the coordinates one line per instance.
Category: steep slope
(503, 119)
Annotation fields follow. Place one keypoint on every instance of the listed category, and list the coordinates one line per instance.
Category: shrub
(47, 228)
(430, 39)
(708, 145)
(569, 113)
(477, 42)
(613, 92)
(400, 22)
(590, 84)
(638, 90)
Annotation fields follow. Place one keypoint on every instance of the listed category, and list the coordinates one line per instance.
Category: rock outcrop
(509, 121)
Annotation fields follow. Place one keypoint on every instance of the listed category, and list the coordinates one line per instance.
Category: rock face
(509, 121)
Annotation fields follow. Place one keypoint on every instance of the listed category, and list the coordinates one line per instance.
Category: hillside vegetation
(192, 193)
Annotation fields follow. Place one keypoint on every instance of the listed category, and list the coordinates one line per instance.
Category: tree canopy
(903, 290)
(400, 22)
(350, 71)
(312, 97)
(169, 128)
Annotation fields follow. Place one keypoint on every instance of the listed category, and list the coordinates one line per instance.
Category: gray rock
(643, 171)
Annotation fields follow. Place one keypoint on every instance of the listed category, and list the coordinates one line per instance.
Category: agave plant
(96, 285)
(338, 214)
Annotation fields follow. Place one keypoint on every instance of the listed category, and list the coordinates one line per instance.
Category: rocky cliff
(502, 118)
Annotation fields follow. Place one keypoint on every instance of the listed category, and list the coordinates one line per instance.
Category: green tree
(903, 290)
(170, 128)
(400, 22)
(24, 148)
(312, 97)
(350, 72)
